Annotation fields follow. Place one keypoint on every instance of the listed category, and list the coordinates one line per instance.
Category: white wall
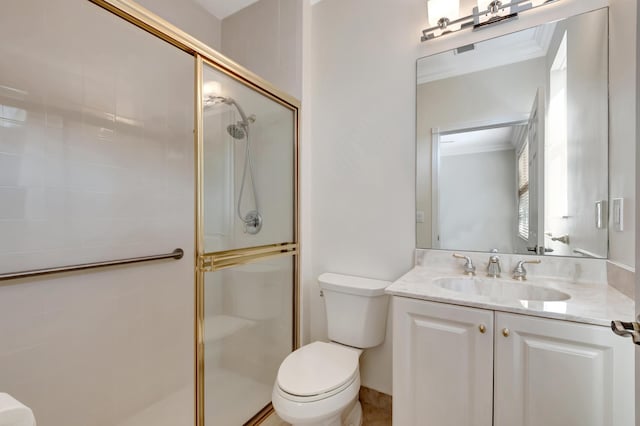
(587, 128)
(478, 201)
(362, 150)
(190, 17)
(307, 288)
(266, 38)
(362, 138)
(623, 41)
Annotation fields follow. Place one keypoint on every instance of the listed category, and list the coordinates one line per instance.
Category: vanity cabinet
(455, 365)
(442, 364)
(560, 373)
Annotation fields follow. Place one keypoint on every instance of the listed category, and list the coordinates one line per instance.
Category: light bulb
(437, 9)
(494, 7)
(212, 88)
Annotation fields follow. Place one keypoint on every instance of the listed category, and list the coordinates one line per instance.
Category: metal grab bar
(176, 254)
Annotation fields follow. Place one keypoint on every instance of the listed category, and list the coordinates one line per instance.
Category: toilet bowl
(319, 383)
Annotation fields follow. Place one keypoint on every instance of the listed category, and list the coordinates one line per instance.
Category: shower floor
(231, 399)
(175, 409)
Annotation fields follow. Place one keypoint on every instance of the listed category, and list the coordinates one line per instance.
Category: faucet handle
(519, 273)
(469, 267)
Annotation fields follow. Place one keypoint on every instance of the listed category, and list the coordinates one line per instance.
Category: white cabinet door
(442, 364)
(558, 373)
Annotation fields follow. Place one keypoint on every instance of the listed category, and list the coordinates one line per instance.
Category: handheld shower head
(215, 100)
(243, 116)
(240, 130)
(236, 131)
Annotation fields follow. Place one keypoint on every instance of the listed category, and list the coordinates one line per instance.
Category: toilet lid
(317, 368)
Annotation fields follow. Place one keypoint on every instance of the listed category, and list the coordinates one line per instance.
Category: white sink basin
(499, 289)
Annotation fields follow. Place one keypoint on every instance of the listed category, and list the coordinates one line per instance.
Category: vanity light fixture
(442, 15)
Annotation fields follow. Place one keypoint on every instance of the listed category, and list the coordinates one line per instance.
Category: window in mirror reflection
(523, 192)
(556, 196)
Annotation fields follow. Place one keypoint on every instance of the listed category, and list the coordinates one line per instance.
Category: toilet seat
(317, 371)
(315, 412)
(318, 397)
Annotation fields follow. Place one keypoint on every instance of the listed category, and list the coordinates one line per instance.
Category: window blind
(523, 192)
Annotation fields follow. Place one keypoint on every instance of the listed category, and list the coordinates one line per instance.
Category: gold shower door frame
(209, 262)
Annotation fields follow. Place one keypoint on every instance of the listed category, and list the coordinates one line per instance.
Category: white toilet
(319, 383)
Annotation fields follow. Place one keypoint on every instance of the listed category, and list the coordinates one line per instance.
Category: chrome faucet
(519, 273)
(469, 267)
(493, 267)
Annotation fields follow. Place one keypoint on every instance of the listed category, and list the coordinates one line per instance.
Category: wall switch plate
(419, 216)
(617, 213)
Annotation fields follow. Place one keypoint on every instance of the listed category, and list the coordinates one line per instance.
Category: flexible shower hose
(247, 161)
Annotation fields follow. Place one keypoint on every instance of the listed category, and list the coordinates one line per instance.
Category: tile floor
(373, 416)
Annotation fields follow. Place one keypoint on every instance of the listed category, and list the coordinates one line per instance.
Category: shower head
(215, 100)
(236, 131)
(210, 101)
(241, 128)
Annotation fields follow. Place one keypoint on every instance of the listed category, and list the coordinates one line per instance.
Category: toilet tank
(356, 309)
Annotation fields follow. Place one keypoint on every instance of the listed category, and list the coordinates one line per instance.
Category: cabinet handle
(505, 332)
(482, 328)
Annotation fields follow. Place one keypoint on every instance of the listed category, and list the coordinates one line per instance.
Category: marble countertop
(590, 303)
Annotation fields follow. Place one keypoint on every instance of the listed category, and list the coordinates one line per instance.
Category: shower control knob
(252, 222)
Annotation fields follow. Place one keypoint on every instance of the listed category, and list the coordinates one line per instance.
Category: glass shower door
(247, 246)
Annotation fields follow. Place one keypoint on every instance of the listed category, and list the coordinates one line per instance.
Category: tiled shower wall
(96, 163)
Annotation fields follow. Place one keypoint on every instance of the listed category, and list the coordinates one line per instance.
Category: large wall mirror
(512, 142)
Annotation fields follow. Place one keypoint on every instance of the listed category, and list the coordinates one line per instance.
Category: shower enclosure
(247, 248)
(148, 221)
(246, 228)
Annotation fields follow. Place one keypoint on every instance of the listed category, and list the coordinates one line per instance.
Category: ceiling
(223, 8)
(515, 47)
(466, 6)
(486, 140)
